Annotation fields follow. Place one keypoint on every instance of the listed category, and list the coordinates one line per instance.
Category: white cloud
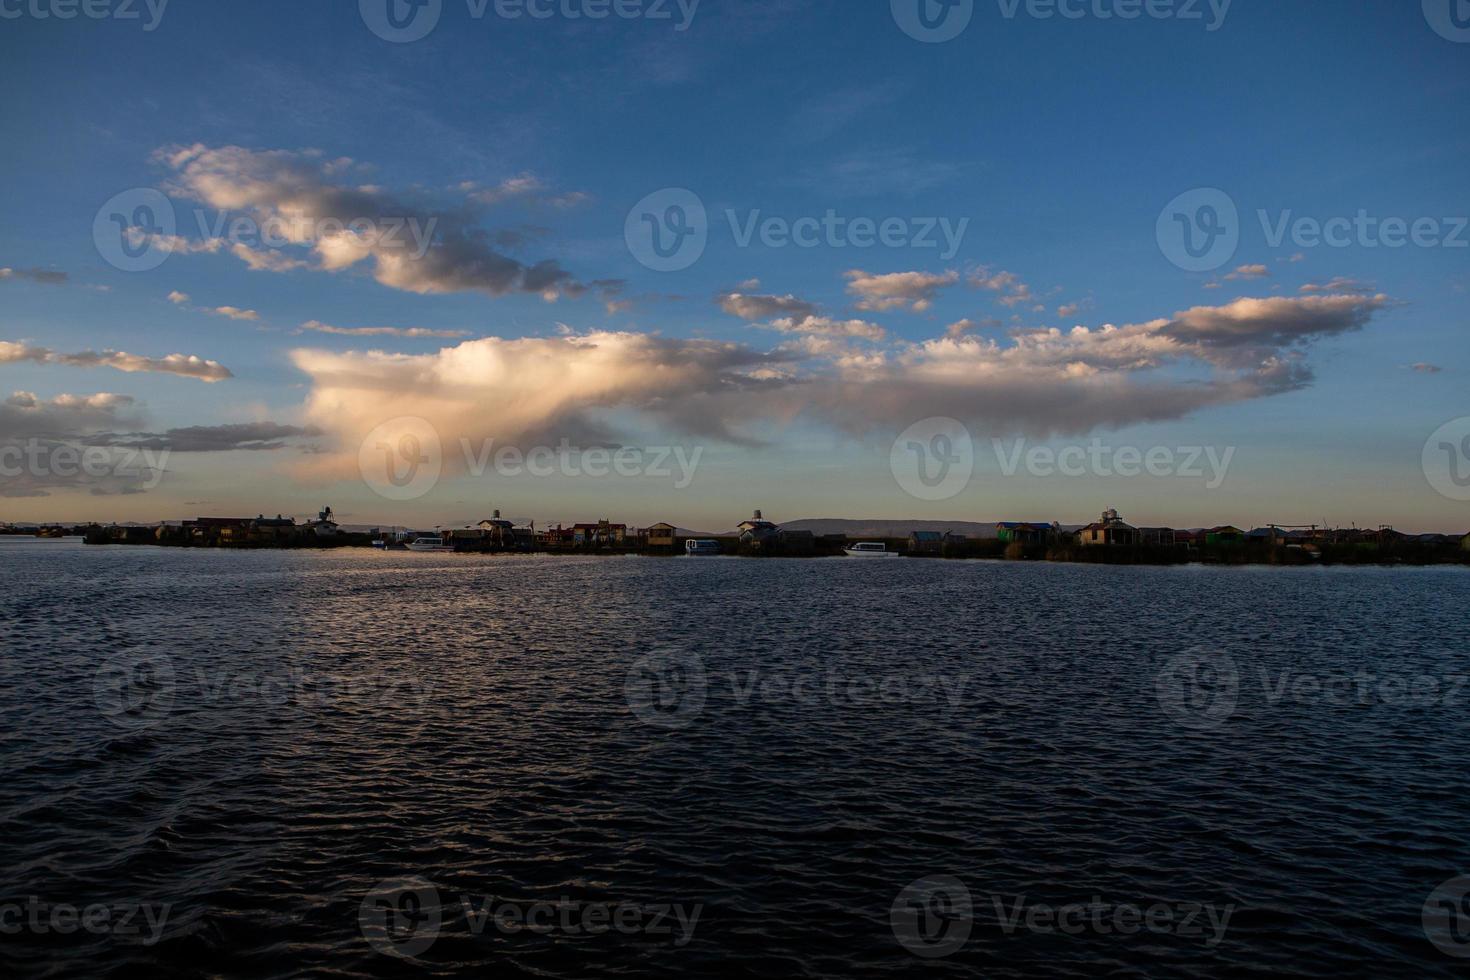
(412, 332)
(184, 365)
(35, 430)
(967, 326)
(897, 290)
(508, 189)
(827, 326)
(788, 314)
(233, 312)
(524, 186)
(267, 259)
(46, 277)
(532, 389)
(1045, 381)
(1340, 284)
(1013, 291)
(755, 307)
(308, 199)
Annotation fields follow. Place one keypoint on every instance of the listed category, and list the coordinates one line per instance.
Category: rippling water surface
(258, 740)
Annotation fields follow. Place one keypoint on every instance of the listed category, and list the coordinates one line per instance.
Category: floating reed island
(1109, 540)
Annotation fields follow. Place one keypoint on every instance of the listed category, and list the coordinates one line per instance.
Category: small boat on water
(869, 549)
(429, 544)
(703, 549)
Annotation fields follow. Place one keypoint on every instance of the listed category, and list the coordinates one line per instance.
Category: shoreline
(1394, 555)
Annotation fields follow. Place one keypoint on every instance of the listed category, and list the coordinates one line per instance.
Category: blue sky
(1055, 143)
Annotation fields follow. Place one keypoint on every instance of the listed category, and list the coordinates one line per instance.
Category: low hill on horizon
(983, 530)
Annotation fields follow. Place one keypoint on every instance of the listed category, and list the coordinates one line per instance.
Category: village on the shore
(1110, 539)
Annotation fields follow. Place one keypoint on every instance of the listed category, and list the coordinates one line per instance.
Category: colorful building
(1225, 534)
(1110, 531)
(1012, 532)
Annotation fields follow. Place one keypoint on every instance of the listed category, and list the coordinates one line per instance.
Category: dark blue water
(245, 746)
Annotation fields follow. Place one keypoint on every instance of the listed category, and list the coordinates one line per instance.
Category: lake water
(325, 763)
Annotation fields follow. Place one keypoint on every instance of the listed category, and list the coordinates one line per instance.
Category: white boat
(429, 544)
(869, 549)
(703, 549)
